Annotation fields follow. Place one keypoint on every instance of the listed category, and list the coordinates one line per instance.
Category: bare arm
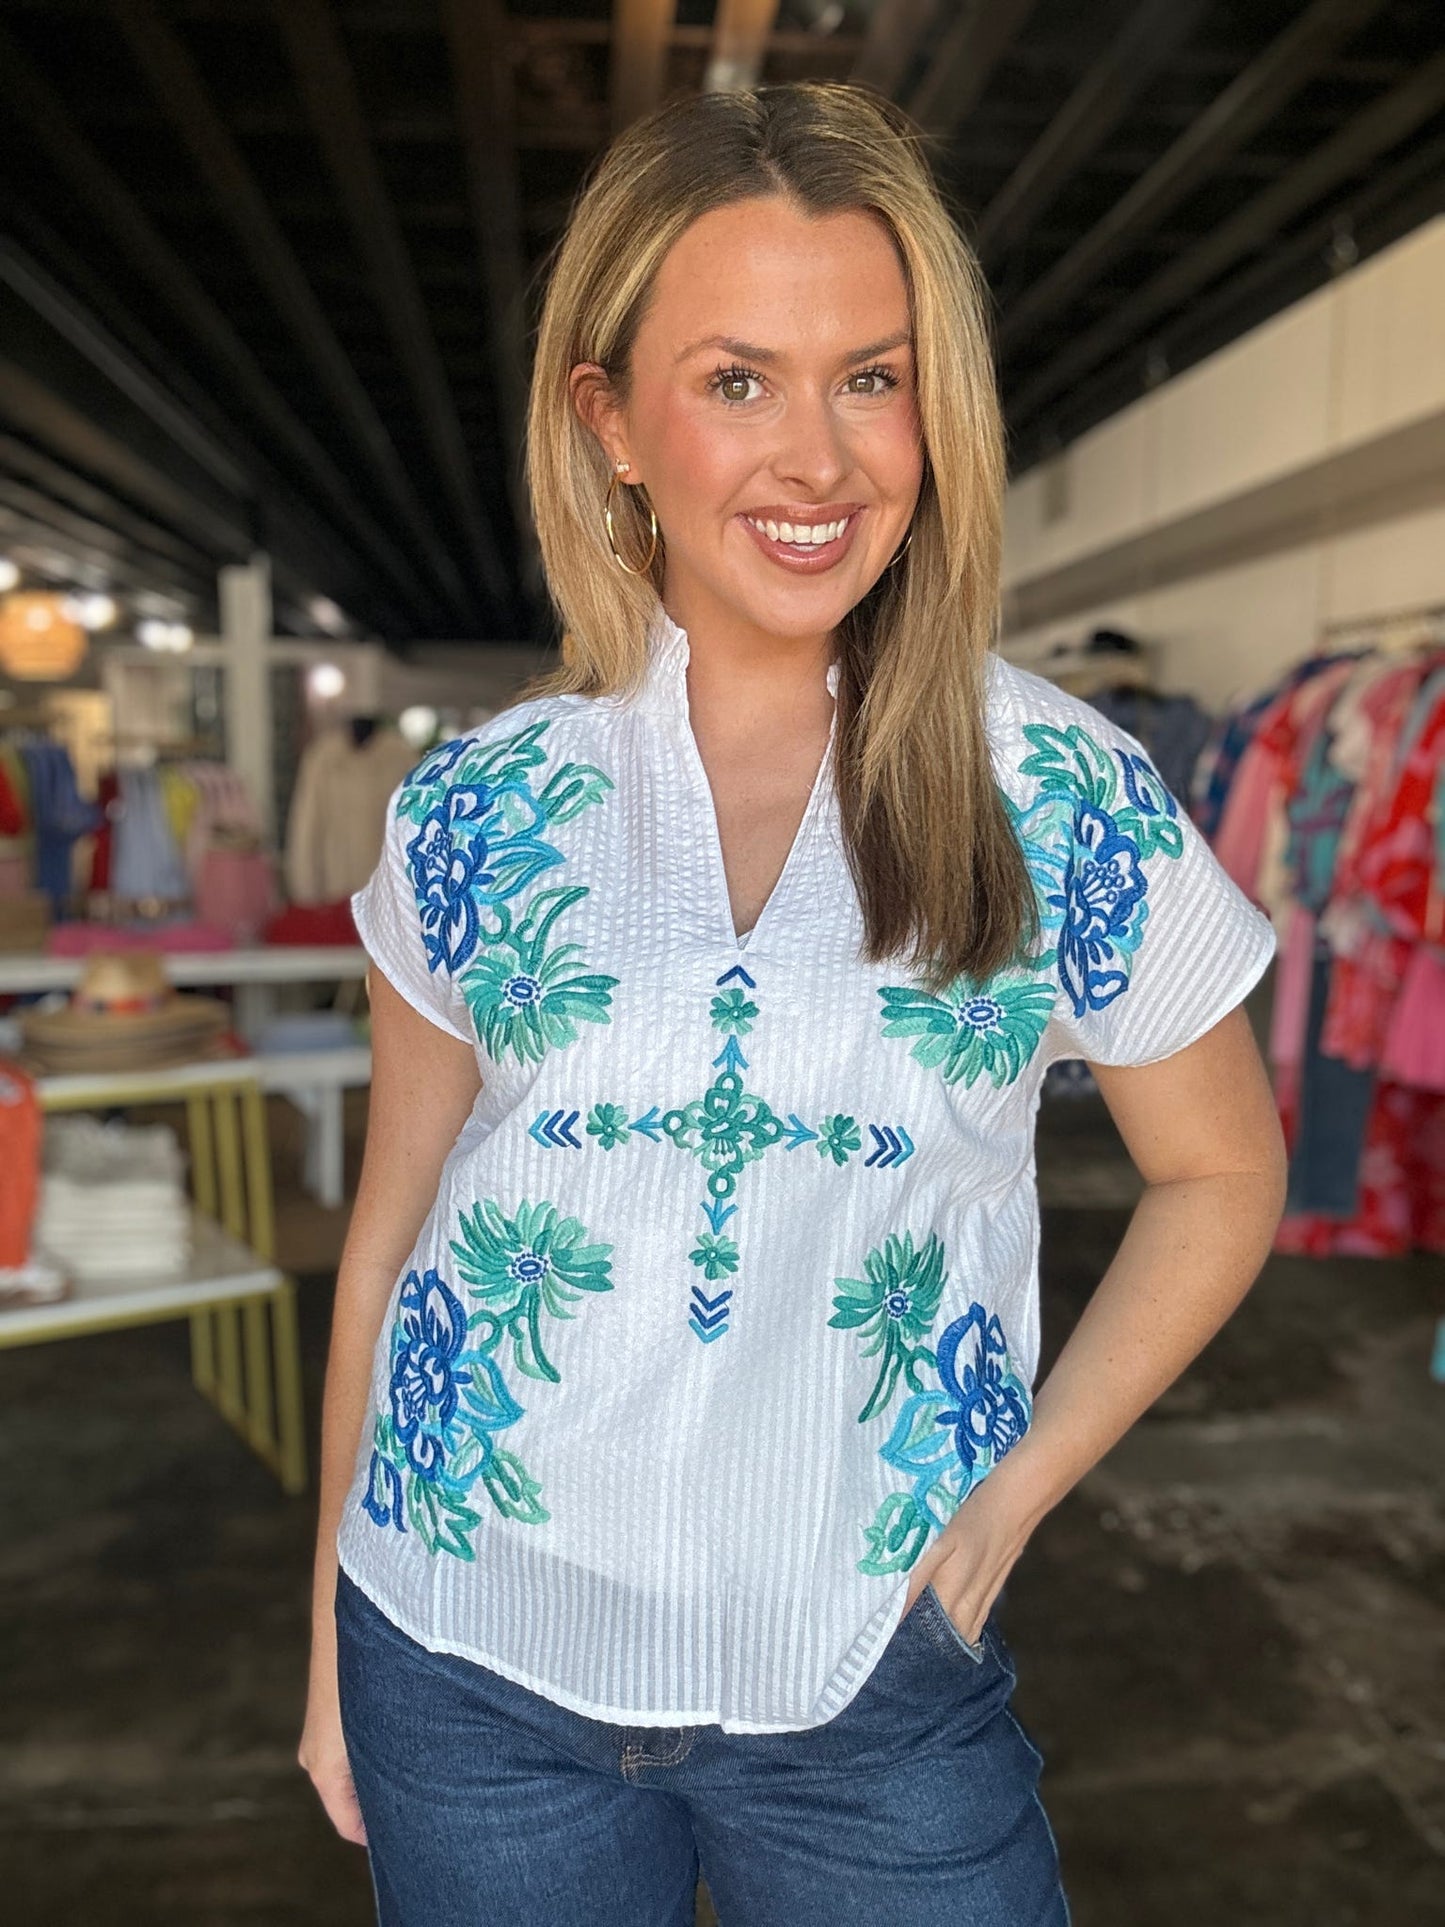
(1202, 1128)
(423, 1085)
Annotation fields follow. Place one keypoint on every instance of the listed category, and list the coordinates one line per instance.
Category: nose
(811, 454)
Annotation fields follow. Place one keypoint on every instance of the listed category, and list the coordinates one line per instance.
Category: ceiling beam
(896, 29)
(1087, 118)
(1383, 125)
(328, 87)
(35, 104)
(98, 546)
(963, 61)
(178, 87)
(31, 465)
(1250, 101)
(33, 408)
(637, 66)
(739, 45)
(486, 112)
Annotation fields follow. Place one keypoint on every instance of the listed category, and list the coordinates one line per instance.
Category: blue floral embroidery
(965, 1406)
(481, 841)
(1093, 824)
(447, 1397)
(430, 1331)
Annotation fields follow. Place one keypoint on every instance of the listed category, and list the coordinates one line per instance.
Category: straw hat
(124, 1016)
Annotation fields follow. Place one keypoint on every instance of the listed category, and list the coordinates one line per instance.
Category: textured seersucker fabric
(730, 1290)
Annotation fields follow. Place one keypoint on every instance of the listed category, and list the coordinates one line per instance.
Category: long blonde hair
(940, 876)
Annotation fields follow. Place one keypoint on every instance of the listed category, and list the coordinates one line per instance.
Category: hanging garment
(59, 816)
(146, 861)
(338, 812)
(1173, 729)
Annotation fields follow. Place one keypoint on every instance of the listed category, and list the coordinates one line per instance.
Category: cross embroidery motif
(726, 1129)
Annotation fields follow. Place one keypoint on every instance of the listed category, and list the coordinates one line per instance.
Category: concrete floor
(1229, 1637)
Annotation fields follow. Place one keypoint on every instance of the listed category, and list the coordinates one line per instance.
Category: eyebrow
(750, 351)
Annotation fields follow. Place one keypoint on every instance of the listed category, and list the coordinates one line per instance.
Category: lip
(815, 559)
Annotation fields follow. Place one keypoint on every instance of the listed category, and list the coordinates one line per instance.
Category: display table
(314, 1081)
(253, 974)
(245, 1349)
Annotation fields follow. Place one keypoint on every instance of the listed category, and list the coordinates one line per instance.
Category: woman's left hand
(976, 1551)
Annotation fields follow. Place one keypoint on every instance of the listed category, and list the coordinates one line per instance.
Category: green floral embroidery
(893, 1307)
(525, 998)
(608, 1124)
(972, 1033)
(732, 1011)
(718, 1256)
(839, 1138)
(520, 1267)
(726, 1128)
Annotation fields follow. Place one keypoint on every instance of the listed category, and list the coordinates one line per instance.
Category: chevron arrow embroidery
(709, 1315)
(798, 1132)
(554, 1129)
(891, 1145)
(717, 1213)
(650, 1125)
(738, 972)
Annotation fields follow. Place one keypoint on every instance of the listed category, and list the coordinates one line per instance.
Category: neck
(733, 661)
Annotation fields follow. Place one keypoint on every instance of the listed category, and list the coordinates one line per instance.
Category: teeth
(801, 533)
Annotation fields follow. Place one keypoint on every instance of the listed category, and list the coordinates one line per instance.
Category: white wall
(1296, 478)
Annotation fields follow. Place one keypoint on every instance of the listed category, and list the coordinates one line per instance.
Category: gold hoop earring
(904, 550)
(626, 567)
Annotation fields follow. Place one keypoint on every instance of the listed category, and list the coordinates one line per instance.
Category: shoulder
(518, 747)
(1037, 730)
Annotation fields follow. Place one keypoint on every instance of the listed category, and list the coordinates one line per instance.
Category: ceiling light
(171, 637)
(325, 681)
(91, 611)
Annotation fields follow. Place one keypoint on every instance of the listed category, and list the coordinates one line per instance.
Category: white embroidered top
(730, 1291)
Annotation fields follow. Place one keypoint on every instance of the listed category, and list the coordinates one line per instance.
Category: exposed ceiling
(267, 267)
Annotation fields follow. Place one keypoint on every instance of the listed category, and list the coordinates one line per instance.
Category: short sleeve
(394, 913)
(1153, 941)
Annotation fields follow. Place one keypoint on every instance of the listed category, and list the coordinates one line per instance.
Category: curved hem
(620, 1716)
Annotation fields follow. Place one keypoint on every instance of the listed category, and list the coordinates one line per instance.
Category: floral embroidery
(447, 1397)
(972, 1033)
(717, 1256)
(965, 1406)
(608, 1124)
(731, 1011)
(520, 1267)
(839, 1138)
(525, 998)
(1095, 821)
(481, 841)
(893, 1307)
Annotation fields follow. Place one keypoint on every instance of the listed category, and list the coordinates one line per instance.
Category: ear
(599, 408)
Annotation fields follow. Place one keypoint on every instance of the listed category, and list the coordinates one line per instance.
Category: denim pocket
(945, 1633)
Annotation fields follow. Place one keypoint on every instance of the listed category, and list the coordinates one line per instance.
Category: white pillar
(245, 593)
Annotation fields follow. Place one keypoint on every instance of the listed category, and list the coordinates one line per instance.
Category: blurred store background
(268, 274)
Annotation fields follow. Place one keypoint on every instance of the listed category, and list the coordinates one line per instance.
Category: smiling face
(771, 416)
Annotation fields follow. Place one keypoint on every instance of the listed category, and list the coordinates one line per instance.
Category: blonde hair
(940, 876)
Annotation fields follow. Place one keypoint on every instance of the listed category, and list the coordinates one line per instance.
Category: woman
(692, 1279)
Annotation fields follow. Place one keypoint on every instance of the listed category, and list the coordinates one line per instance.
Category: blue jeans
(488, 1805)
